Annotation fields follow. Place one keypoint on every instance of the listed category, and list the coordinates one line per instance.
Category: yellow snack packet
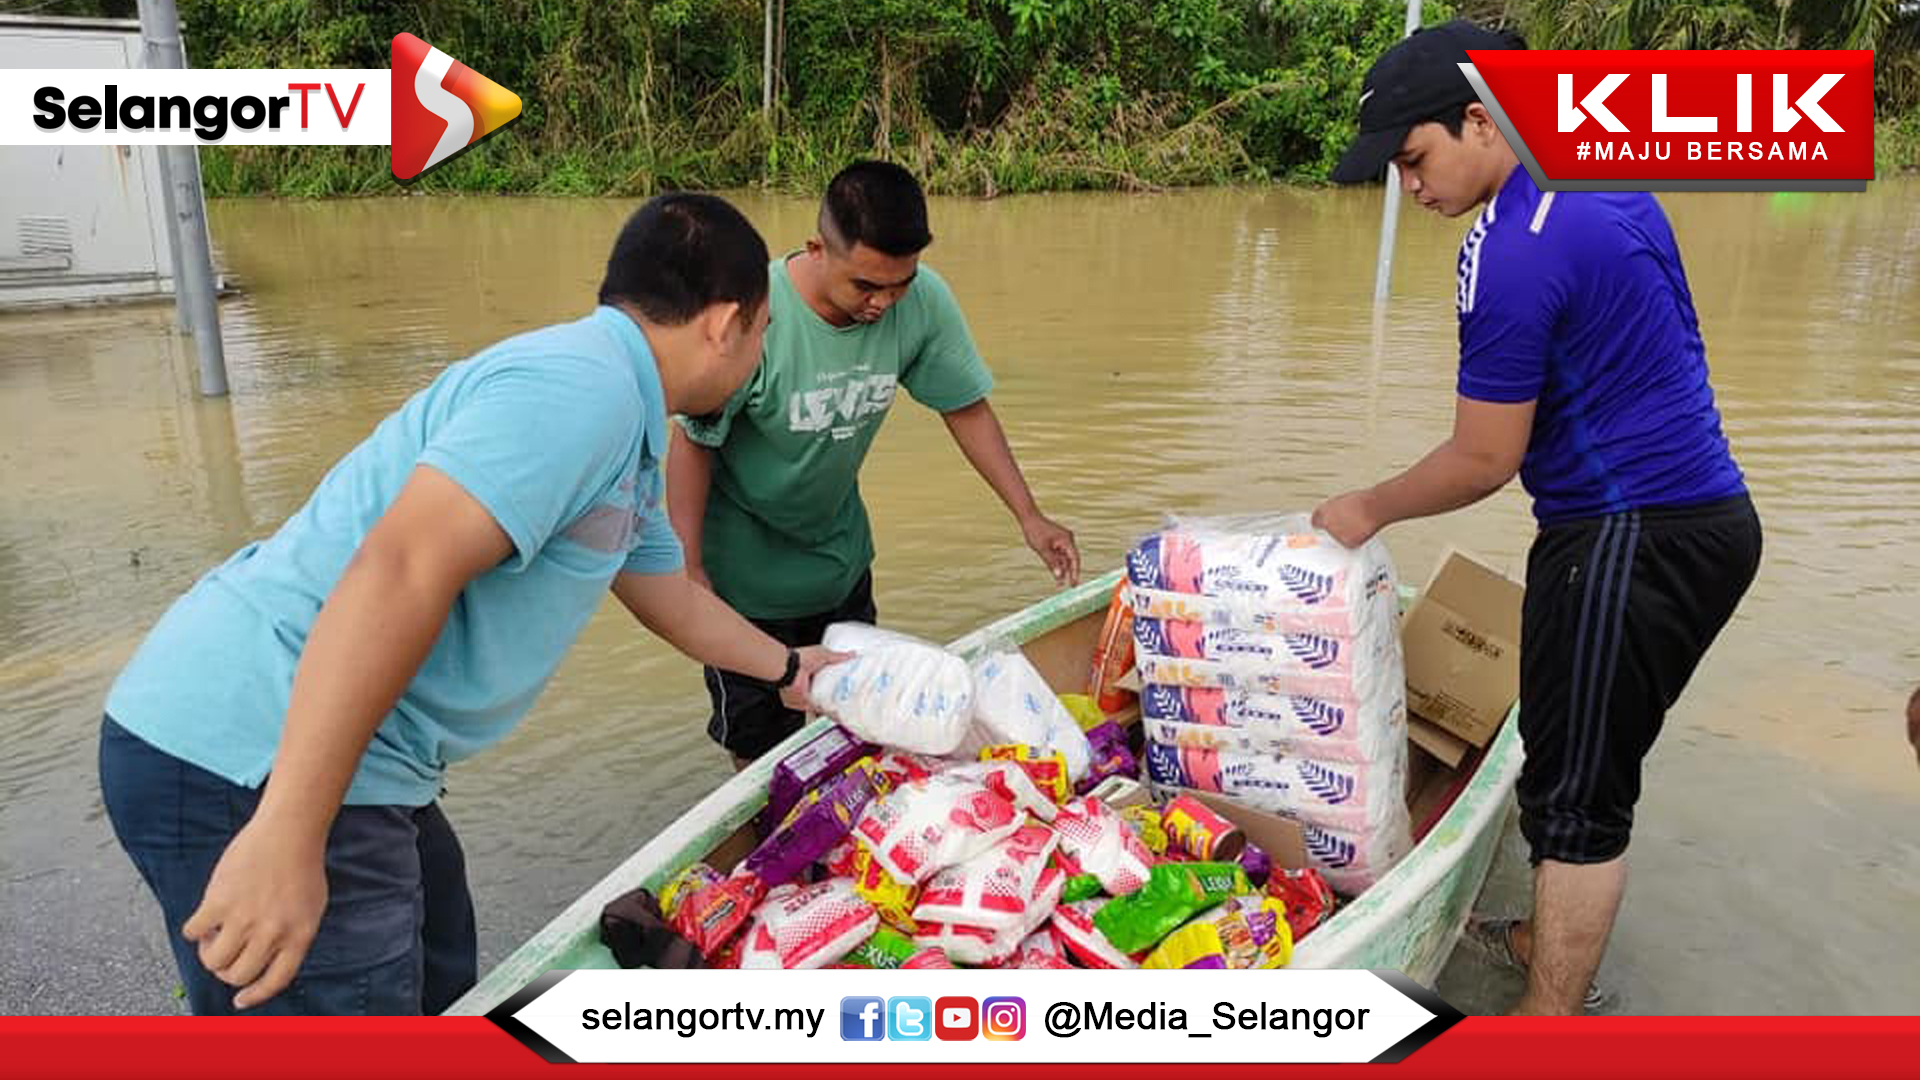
(891, 897)
(1084, 710)
(1244, 933)
(1150, 825)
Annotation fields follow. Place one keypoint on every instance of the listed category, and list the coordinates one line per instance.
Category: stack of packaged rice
(1271, 672)
(961, 816)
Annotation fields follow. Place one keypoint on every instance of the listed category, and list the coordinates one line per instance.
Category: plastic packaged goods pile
(962, 814)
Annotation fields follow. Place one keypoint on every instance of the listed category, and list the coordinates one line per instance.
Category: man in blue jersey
(272, 754)
(1582, 369)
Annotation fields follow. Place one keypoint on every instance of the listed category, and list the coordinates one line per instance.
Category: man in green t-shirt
(765, 493)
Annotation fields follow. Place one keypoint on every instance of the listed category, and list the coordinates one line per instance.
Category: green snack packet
(1174, 893)
(887, 948)
(1080, 887)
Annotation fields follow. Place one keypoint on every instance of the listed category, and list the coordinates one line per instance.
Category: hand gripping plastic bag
(897, 691)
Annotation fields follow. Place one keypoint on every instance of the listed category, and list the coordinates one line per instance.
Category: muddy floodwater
(1188, 353)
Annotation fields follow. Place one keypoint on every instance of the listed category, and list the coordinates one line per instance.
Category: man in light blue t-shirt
(271, 755)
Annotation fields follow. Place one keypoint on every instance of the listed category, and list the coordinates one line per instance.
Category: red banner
(1746, 120)
(460, 1048)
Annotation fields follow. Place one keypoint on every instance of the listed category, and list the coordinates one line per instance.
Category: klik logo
(440, 107)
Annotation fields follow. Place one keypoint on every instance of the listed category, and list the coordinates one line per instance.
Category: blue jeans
(398, 935)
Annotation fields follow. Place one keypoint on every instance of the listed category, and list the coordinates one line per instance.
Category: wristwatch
(793, 670)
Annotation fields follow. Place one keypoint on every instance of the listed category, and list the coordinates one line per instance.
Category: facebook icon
(863, 1019)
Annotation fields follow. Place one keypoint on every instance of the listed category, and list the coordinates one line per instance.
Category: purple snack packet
(800, 843)
(823, 757)
(1111, 757)
(1257, 864)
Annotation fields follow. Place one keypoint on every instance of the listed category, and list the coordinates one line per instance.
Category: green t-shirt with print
(786, 533)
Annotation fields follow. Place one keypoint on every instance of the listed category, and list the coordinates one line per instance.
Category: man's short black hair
(1453, 118)
(683, 252)
(878, 204)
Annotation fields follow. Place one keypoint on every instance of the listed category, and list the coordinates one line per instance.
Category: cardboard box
(1462, 642)
(1445, 748)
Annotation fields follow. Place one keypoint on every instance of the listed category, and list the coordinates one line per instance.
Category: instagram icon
(1004, 1018)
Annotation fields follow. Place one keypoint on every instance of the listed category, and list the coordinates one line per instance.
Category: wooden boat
(1408, 921)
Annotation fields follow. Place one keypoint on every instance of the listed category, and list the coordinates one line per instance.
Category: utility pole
(196, 306)
(1390, 213)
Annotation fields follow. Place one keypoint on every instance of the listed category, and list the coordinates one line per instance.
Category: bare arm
(701, 625)
(977, 431)
(689, 478)
(1489, 442)
(264, 900)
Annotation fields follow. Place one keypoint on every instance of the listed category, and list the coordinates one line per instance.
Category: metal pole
(1390, 212)
(173, 246)
(197, 307)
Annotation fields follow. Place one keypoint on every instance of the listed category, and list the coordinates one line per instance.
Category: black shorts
(748, 718)
(1618, 612)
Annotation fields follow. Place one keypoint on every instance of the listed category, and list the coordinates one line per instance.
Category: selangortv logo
(440, 107)
(428, 109)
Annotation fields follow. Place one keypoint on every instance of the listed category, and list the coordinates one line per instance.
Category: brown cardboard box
(1462, 642)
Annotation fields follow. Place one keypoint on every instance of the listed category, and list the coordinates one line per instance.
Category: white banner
(234, 107)
(1186, 1017)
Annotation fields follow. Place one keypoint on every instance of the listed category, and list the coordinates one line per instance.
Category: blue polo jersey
(1578, 301)
(560, 434)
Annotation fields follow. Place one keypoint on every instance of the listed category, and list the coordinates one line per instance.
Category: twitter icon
(909, 1019)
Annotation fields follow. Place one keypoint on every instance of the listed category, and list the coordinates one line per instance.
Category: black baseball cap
(1414, 82)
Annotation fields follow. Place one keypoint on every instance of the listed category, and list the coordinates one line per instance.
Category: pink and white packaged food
(1073, 924)
(901, 767)
(1259, 677)
(807, 926)
(1277, 565)
(927, 825)
(993, 888)
(1358, 668)
(818, 761)
(1327, 729)
(1041, 950)
(983, 946)
(1103, 845)
(897, 690)
(1011, 782)
(1352, 862)
(1334, 795)
(928, 959)
(975, 946)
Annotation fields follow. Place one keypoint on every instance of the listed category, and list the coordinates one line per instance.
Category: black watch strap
(793, 670)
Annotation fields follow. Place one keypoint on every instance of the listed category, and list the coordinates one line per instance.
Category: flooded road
(1195, 352)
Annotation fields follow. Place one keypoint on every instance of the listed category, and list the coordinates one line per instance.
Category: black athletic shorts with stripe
(748, 717)
(1618, 612)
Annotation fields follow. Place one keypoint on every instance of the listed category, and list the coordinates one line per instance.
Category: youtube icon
(956, 1019)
